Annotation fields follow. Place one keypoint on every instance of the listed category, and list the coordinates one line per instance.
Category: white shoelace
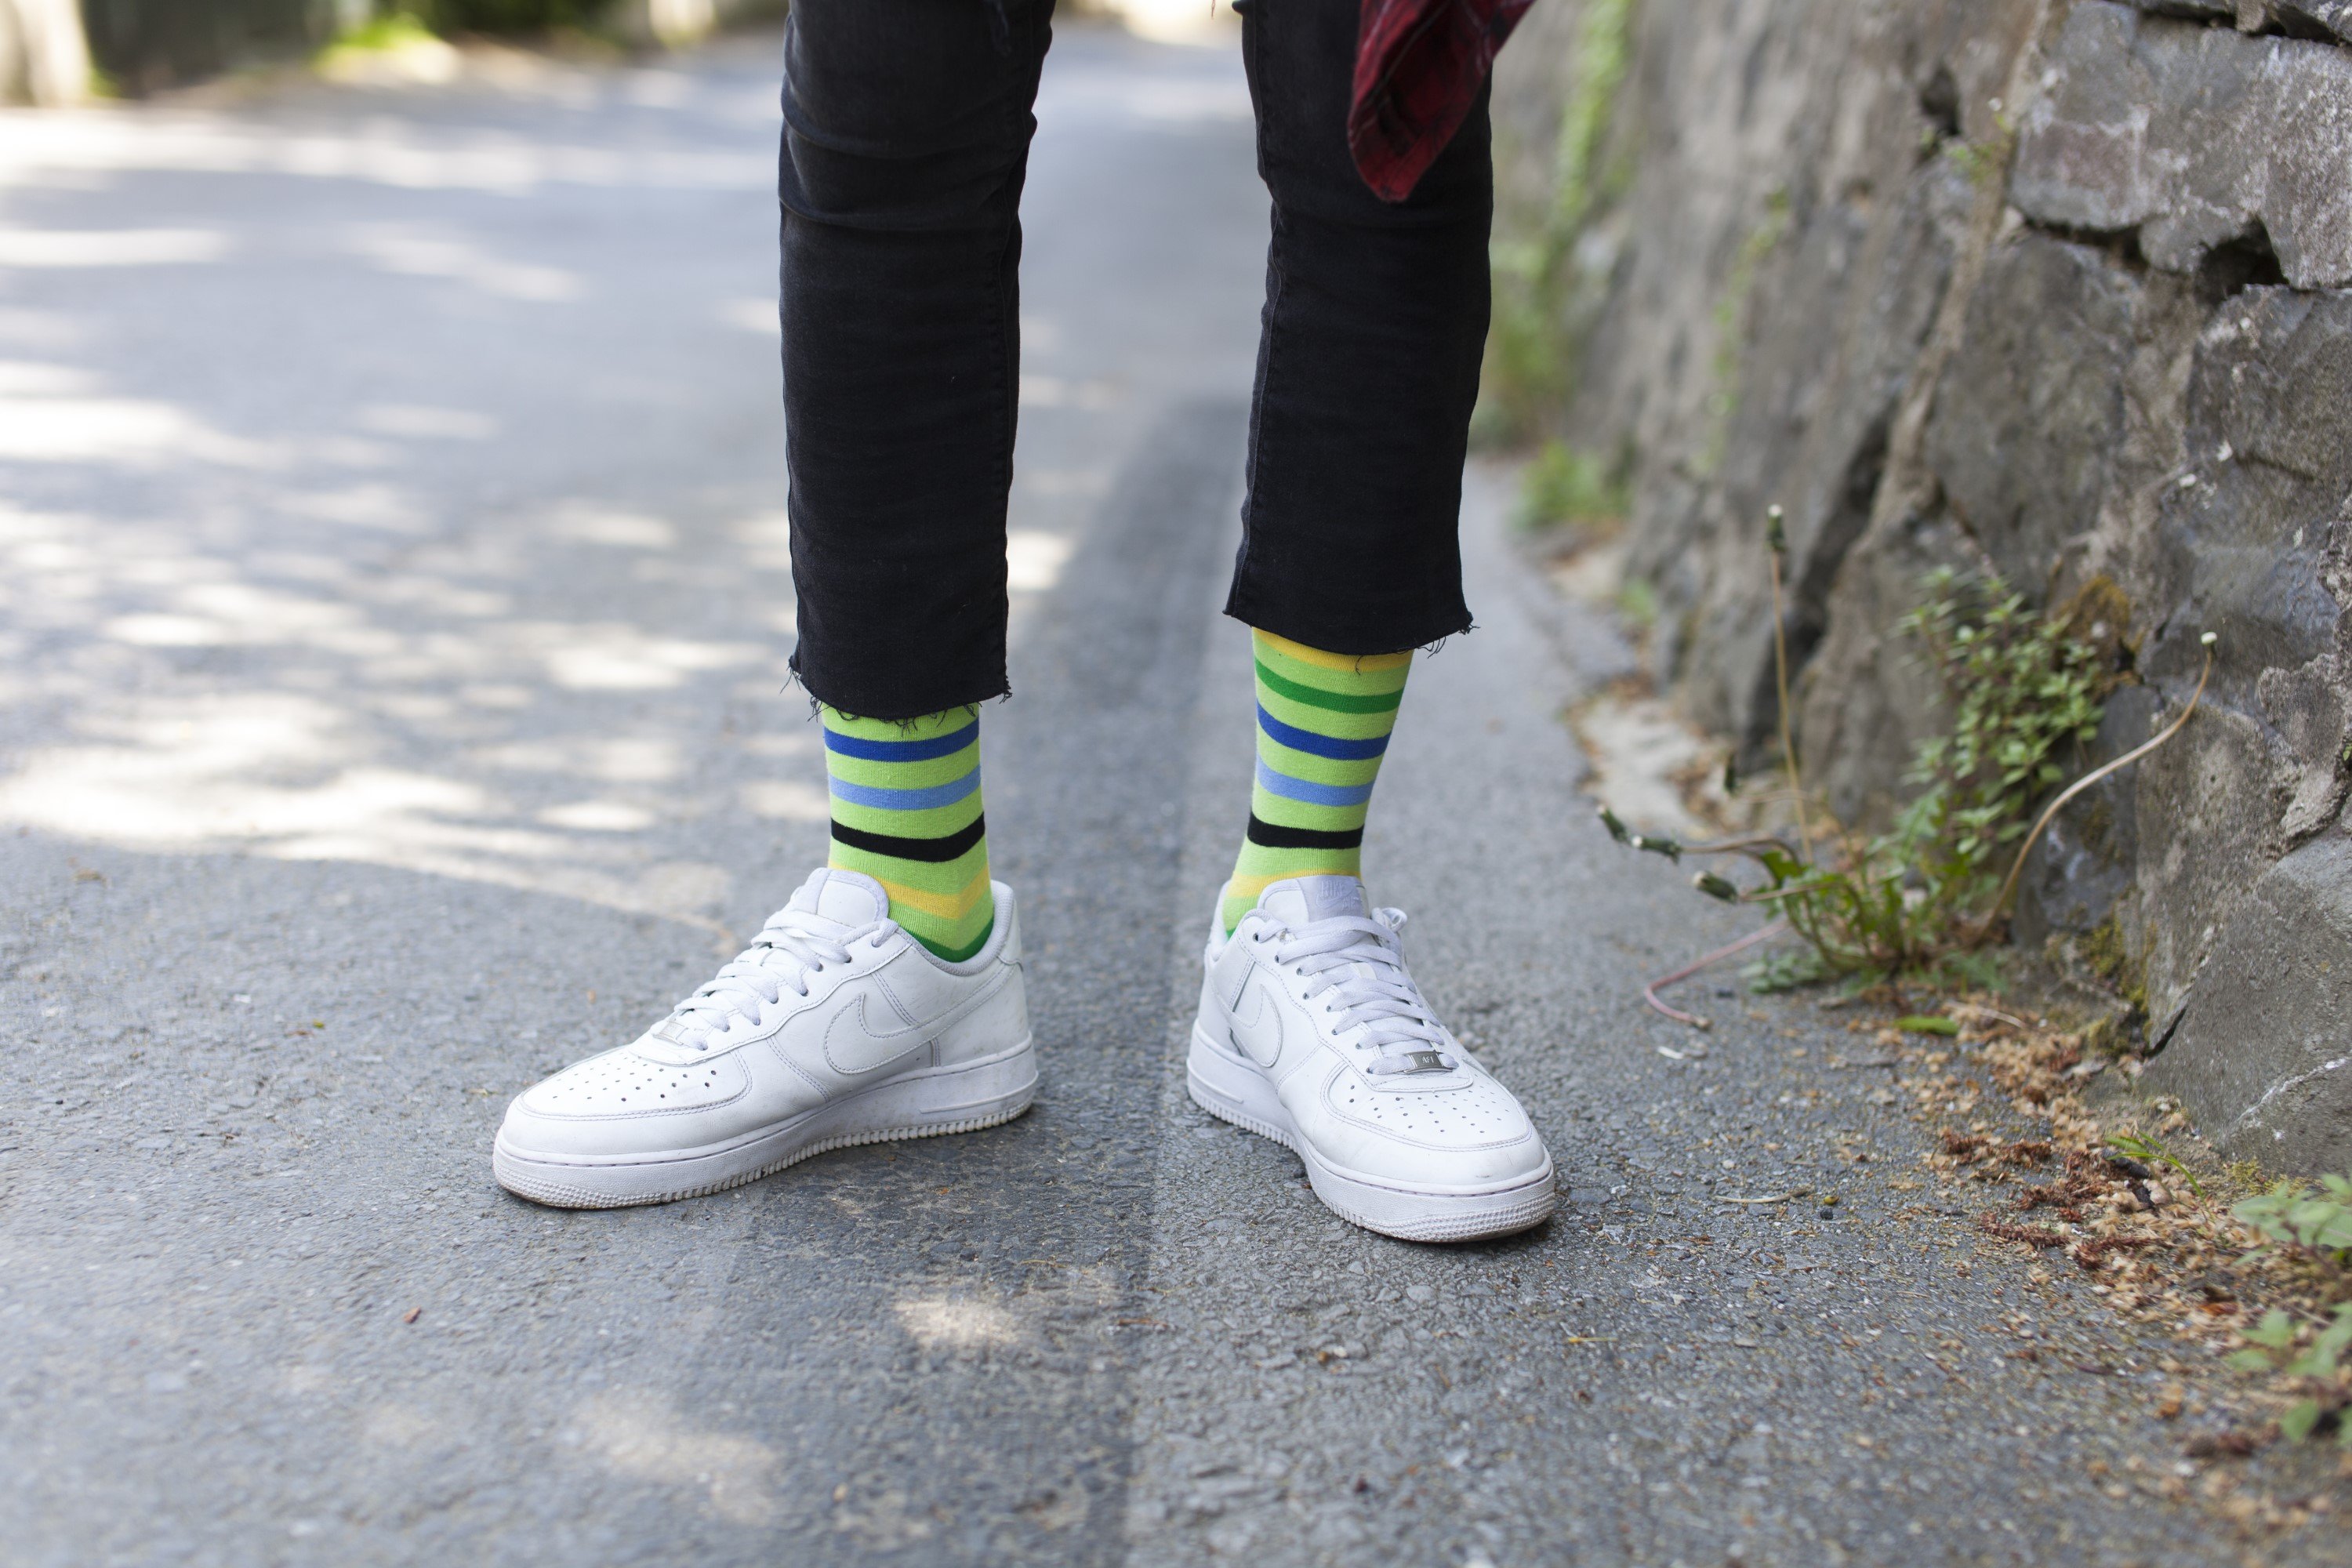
(1356, 968)
(779, 959)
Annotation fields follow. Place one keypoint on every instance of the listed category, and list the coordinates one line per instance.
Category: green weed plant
(2150, 1153)
(2293, 1214)
(2314, 1220)
(2023, 690)
(2274, 1346)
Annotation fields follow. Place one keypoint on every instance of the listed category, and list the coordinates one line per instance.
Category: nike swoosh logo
(852, 1047)
(1258, 1036)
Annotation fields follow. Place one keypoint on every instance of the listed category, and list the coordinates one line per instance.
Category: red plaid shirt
(1419, 67)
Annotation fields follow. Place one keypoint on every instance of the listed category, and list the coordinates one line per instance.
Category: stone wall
(2060, 288)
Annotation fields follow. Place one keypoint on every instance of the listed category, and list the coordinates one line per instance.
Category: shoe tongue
(1302, 901)
(846, 898)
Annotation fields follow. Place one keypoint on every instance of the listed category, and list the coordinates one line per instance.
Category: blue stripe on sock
(1290, 788)
(901, 751)
(1320, 745)
(907, 799)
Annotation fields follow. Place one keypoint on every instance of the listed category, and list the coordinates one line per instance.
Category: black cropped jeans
(907, 129)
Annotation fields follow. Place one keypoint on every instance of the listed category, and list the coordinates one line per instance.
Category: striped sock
(905, 811)
(1323, 720)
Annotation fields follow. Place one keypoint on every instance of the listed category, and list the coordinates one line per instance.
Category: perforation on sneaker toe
(624, 1082)
(1480, 1114)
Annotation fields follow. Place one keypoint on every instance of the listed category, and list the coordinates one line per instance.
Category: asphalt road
(393, 603)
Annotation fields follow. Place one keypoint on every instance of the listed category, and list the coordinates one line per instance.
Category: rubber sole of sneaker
(964, 1097)
(1233, 1092)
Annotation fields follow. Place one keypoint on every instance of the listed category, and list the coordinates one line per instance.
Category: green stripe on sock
(944, 904)
(1336, 702)
(1345, 725)
(1326, 695)
(958, 954)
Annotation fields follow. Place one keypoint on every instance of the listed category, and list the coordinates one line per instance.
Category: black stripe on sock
(1274, 835)
(932, 849)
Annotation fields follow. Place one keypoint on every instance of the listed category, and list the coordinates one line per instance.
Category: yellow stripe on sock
(1348, 661)
(952, 905)
(1249, 887)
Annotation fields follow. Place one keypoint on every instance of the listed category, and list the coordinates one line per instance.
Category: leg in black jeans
(906, 126)
(907, 134)
(1375, 321)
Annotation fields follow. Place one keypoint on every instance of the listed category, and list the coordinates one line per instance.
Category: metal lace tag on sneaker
(1414, 1061)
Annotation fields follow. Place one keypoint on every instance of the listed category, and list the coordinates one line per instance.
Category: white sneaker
(834, 1026)
(1312, 1033)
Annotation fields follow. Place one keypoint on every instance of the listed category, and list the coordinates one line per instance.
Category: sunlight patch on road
(339, 625)
(884, 1519)
(417, 254)
(47, 428)
(110, 248)
(397, 1426)
(32, 378)
(603, 525)
(495, 694)
(1034, 559)
(423, 423)
(956, 1322)
(752, 316)
(800, 742)
(404, 157)
(598, 816)
(166, 631)
(218, 614)
(276, 774)
(371, 715)
(767, 541)
(1059, 391)
(787, 800)
(200, 772)
(1061, 484)
(615, 656)
(619, 759)
(637, 1438)
(370, 505)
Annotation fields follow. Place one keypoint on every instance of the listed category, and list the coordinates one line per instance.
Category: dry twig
(1650, 991)
(2017, 867)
